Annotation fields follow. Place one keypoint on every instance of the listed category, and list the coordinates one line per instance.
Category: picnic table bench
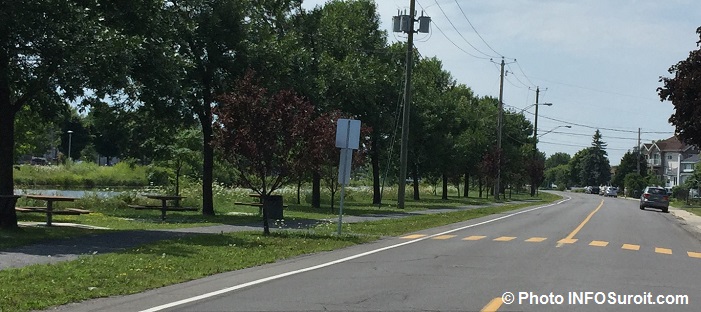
(163, 207)
(65, 211)
(49, 210)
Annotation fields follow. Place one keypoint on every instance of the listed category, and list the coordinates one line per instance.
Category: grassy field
(173, 261)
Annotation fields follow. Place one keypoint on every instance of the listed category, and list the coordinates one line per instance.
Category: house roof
(647, 146)
(671, 145)
(691, 159)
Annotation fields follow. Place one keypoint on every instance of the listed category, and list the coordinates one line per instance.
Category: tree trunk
(415, 177)
(8, 216)
(465, 192)
(299, 186)
(208, 159)
(316, 190)
(444, 196)
(479, 184)
(333, 199)
(375, 160)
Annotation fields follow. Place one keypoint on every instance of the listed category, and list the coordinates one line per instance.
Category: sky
(597, 61)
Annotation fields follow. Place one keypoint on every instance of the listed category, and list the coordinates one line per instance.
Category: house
(671, 160)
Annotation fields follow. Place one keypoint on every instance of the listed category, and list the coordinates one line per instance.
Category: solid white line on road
(323, 265)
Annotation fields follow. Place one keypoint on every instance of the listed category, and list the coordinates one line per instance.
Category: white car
(611, 191)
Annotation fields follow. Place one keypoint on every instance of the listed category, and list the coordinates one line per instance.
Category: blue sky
(597, 61)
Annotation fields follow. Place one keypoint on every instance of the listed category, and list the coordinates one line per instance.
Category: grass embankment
(693, 206)
(173, 261)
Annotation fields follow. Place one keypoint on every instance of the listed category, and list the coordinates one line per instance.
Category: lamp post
(70, 137)
(535, 135)
(553, 129)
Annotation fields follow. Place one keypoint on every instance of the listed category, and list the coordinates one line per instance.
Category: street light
(553, 129)
(535, 135)
(70, 137)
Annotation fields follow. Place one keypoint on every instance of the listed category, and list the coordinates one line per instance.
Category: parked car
(655, 197)
(602, 190)
(593, 190)
(611, 191)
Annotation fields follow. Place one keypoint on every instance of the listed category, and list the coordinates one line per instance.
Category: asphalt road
(587, 253)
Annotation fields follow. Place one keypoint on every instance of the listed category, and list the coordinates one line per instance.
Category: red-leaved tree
(265, 136)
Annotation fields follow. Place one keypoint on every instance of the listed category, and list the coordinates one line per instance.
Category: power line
(524, 73)
(601, 128)
(473, 28)
(582, 146)
(515, 76)
(603, 136)
(458, 31)
(595, 90)
(451, 41)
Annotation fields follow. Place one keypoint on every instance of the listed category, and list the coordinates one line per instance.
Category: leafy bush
(83, 175)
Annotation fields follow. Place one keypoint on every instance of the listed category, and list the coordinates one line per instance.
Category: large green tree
(51, 52)
(684, 91)
(355, 72)
(595, 168)
(628, 165)
(557, 159)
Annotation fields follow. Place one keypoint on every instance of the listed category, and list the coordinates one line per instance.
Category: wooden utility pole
(637, 156)
(535, 139)
(497, 186)
(407, 105)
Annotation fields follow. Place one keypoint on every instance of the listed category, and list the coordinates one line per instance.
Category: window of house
(669, 157)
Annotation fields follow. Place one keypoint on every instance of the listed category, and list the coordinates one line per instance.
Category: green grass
(82, 175)
(153, 265)
(173, 261)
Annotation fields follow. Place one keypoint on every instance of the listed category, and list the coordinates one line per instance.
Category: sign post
(347, 139)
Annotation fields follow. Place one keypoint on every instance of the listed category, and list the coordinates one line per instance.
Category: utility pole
(407, 107)
(535, 137)
(637, 158)
(405, 23)
(499, 126)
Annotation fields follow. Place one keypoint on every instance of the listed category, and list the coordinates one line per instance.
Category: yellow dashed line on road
(694, 254)
(504, 239)
(663, 251)
(474, 237)
(630, 247)
(570, 237)
(598, 243)
(535, 239)
(413, 236)
(444, 237)
(493, 305)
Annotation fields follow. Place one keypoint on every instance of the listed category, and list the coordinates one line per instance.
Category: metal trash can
(272, 207)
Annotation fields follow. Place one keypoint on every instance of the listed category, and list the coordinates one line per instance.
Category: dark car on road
(655, 197)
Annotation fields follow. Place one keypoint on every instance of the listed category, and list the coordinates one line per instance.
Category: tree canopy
(684, 91)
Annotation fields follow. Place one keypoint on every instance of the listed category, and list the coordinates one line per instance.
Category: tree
(557, 159)
(51, 52)
(635, 184)
(265, 136)
(576, 167)
(684, 91)
(595, 168)
(356, 72)
(628, 165)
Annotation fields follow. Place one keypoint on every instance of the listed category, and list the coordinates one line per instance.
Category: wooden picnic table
(49, 210)
(164, 206)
